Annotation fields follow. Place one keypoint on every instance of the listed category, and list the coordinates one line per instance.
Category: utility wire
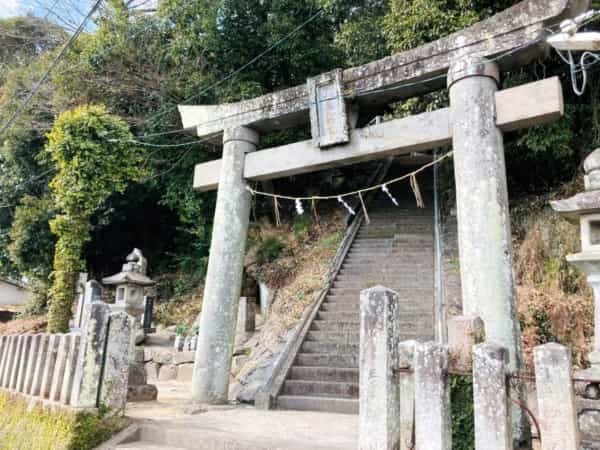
(53, 64)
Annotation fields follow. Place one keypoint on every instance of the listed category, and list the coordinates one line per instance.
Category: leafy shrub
(270, 249)
(24, 428)
(463, 419)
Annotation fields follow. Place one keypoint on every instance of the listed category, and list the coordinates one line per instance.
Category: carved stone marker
(89, 371)
(463, 333)
(119, 356)
(379, 427)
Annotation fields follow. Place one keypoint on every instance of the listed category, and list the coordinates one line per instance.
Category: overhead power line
(53, 64)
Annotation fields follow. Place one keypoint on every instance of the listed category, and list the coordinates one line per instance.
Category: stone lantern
(584, 209)
(131, 284)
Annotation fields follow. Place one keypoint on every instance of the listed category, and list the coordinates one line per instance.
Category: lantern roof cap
(132, 272)
(592, 162)
(588, 201)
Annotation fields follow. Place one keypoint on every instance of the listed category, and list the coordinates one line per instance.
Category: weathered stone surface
(183, 357)
(152, 369)
(379, 427)
(143, 393)
(88, 372)
(391, 138)
(185, 372)
(18, 352)
(163, 356)
(556, 398)
(463, 333)
(168, 372)
(30, 370)
(490, 396)
(27, 339)
(119, 356)
(40, 365)
(5, 340)
(510, 29)
(52, 353)
(406, 386)
(64, 345)
(589, 423)
(485, 241)
(432, 398)
(224, 273)
(137, 374)
(246, 322)
(73, 360)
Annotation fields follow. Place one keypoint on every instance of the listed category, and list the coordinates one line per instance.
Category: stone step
(406, 307)
(327, 360)
(349, 337)
(407, 300)
(329, 347)
(323, 404)
(336, 327)
(346, 374)
(392, 251)
(338, 316)
(384, 259)
(405, 291)
(392, 280)
(147, 445)
(321, 388)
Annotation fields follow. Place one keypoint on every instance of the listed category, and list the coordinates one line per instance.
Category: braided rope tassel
(415, 187)
(277, 216)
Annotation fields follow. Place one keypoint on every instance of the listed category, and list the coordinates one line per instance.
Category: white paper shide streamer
(346, 205)
(299, 207)
(385, 189)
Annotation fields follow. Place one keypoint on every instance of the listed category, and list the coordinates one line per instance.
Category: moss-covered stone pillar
(210, 382)
(484, 236)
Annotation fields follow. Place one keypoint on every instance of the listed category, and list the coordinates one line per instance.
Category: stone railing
(82, 369)
(405, 388)
(40, 365)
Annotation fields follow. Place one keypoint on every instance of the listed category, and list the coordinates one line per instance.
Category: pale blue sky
(67, 13)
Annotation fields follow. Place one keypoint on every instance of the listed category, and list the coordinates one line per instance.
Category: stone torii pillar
(210, 382)
(484, 236)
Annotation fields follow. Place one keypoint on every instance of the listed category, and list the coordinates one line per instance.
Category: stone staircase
(396, 249)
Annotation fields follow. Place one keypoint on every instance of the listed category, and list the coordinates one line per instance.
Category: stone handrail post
(556, 398)
(379, 427)
(406, 383)
(432, 397)
(493, 429)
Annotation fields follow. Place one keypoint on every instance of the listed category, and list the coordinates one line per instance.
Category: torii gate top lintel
(520, 30)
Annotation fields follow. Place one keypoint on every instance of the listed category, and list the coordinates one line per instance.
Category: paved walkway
(174, 422)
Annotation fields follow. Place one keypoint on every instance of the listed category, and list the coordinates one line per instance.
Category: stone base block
(185, 372)
(463, 333)
(168, 372)
(151, 370)
(144, 393)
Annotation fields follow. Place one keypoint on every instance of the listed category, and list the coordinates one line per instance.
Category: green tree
(94, 159)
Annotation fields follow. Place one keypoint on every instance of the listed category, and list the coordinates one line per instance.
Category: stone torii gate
(337, 104)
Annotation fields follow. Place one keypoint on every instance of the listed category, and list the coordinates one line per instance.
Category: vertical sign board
(328, 117)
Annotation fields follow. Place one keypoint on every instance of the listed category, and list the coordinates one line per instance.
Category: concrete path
(176, 423)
